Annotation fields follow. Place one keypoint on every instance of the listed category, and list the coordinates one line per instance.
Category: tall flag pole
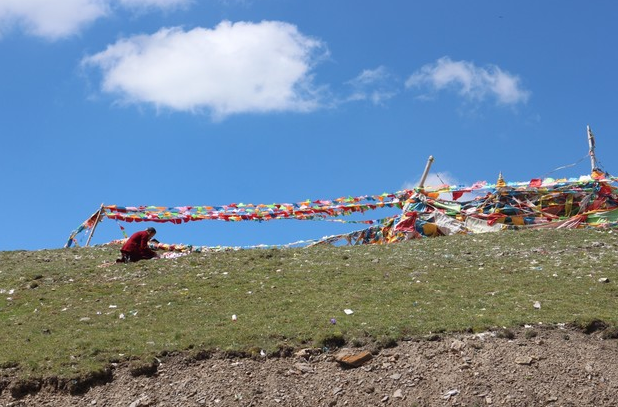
(421, 184)
(96, 222)
(593, 158)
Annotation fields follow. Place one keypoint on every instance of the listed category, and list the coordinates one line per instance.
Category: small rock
(141, 402)
(307, 352)
(337, 390)
(457, 345)
(395, 376)
(348, 357)
(450, 394)
(523, 360)
(303, 367)
(384, 399)
(398, 394)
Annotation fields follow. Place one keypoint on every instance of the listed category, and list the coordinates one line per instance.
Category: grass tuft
(505, 333)
(332, 340)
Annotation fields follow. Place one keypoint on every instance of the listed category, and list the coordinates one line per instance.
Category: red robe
(136, 248)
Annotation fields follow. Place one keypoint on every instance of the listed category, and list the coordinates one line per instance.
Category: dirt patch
(529, 366)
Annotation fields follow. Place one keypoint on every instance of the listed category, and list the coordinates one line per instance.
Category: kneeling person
(136, 247)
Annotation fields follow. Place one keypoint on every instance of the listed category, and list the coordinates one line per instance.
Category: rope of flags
(587, 200)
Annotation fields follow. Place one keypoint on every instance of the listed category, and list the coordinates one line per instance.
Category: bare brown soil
(526, 367)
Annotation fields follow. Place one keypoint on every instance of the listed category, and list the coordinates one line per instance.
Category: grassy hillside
(63, 315)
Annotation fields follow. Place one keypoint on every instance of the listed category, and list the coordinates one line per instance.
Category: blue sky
(180, 102)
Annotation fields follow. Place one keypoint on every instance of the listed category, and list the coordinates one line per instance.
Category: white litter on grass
(113, 306)
(348, 311)
(121, 316)
(172, 255)
(537, 305)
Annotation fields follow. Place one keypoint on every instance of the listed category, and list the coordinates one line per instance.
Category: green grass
(64, 316)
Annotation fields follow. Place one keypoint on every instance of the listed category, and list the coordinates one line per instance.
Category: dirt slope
(527, 367)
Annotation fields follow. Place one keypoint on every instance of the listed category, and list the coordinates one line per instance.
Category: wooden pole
(426, 172)
(96, 222)
(593, 158)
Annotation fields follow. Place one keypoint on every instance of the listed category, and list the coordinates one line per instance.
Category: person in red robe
(136, 247)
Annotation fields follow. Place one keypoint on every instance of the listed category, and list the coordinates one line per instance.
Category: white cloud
(472, 82)
(54, 20)
(373, 85)
(51, 19)
(162, 4)
(370, 76)
(233, 68)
